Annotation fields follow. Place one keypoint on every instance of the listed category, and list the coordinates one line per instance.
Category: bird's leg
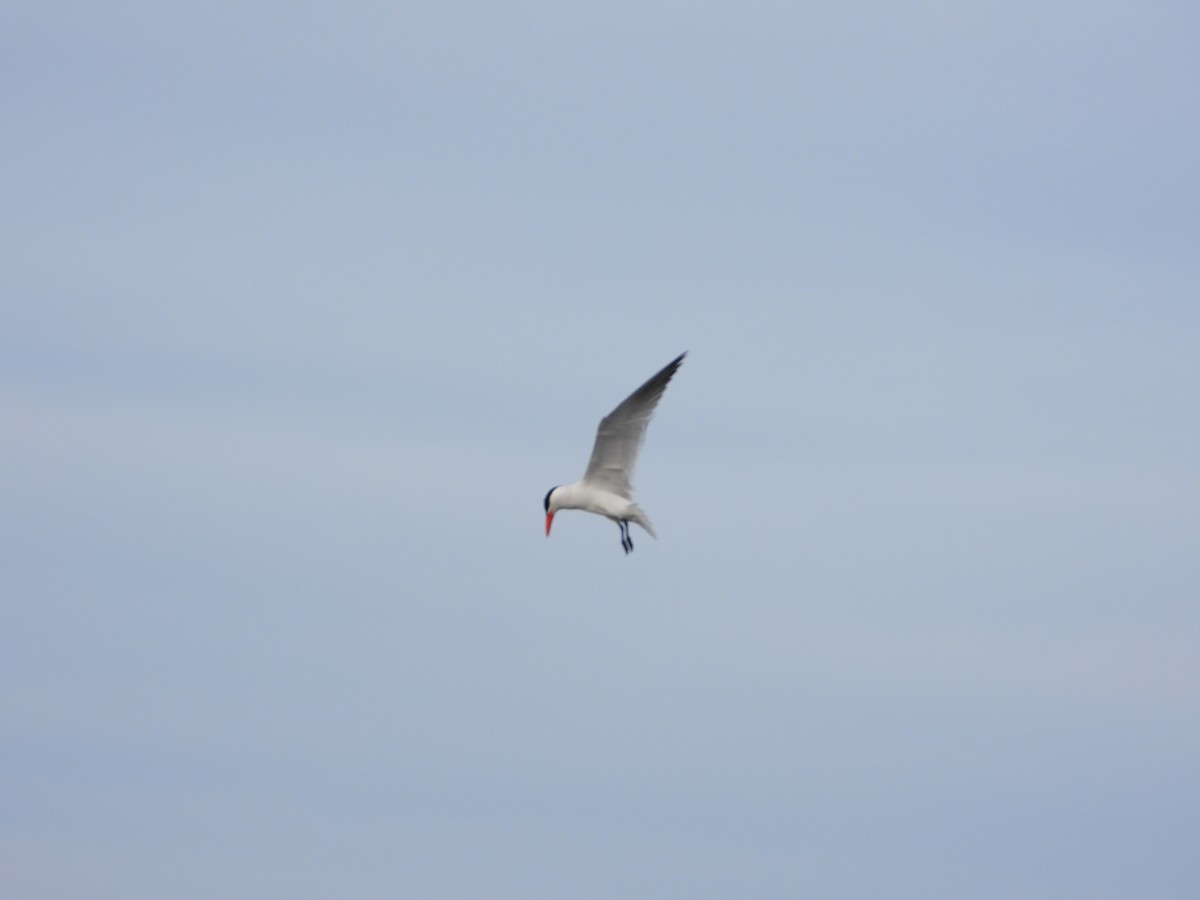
(626, 540)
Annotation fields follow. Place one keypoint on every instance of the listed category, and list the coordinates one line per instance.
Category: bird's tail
(642, 519)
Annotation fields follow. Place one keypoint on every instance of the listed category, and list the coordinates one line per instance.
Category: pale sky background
(305, 306)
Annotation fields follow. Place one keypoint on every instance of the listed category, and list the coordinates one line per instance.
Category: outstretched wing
(621, 432)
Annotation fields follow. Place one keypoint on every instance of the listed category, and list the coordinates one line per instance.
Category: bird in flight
(606, 487)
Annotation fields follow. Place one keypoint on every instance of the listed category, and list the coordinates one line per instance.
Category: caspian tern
(606, 487)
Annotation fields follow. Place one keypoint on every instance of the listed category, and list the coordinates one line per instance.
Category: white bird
(606, 487)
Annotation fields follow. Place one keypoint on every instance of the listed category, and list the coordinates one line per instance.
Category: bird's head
(551, 507)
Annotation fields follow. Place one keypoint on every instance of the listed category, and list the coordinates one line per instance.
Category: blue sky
(303, 311)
